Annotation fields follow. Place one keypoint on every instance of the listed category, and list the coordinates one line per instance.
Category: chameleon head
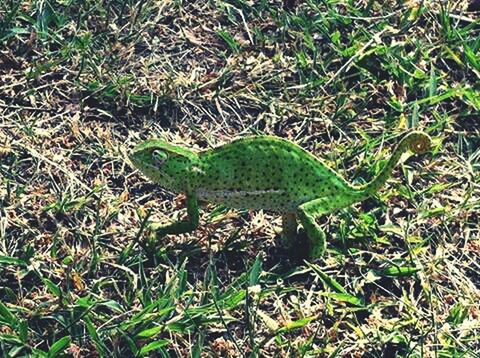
(173, 167)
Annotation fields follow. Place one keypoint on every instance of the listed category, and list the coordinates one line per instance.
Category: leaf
(296, 324)
(178, 327)
(8, 260)
(53, 288)
(59, 346)
(330, 282)
(345, 297)
(39, 353)
(432, 100)
(341, 294)
(234, 300)
(146, 313)
(434, 212)
(399, 271)
(182, 280)
(269, 322)
(7, 316)
(86, 302)
(437, 188)
(149, 332)
(457, 314)
(453, 56)
(154, 345)
(10, 339)
(471, 57)
(232, 44)
(15, 351)
(92, 331)
(432, 87)
(302, 59)
(472, 98)
(113, 305)
(335, 37)
(198, 347)
(393, 229)
(23, 330)
(255, 271)
(19, 30)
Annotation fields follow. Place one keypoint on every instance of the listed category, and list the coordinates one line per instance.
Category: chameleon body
(261, 172)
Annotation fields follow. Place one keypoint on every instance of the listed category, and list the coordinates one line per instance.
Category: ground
(81, 82)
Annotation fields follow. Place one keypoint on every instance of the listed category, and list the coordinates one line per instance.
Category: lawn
(82, 82)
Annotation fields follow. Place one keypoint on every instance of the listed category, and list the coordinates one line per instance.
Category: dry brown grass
(80, 83)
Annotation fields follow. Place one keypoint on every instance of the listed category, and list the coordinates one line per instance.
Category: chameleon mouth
(153, 173)
(140, 164)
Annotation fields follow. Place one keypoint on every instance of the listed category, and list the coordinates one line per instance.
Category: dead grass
(81, 82)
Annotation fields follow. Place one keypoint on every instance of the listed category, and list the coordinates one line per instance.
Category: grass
(83, 81)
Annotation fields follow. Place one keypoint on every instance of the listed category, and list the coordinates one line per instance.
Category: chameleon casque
(261, 172)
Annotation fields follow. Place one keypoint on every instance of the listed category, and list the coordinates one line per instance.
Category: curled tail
(416, 141)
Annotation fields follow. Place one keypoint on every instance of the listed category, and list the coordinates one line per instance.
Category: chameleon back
(264, 172)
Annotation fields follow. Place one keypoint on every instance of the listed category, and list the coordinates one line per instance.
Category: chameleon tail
(416, 141)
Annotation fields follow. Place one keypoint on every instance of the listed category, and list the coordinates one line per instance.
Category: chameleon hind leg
(289, 232)
(307, 213)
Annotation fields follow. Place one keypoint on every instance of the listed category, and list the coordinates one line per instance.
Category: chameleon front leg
(180, 227)
(307, 213)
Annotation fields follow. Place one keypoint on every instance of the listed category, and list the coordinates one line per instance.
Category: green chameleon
(261, 172)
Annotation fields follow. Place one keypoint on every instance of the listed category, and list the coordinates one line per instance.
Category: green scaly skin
(261, 172)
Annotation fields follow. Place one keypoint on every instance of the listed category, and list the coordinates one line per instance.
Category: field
(82, 82)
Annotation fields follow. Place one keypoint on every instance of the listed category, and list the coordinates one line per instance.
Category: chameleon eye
(159, 157)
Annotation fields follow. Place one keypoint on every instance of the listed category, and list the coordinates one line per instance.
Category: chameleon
(261, 172)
